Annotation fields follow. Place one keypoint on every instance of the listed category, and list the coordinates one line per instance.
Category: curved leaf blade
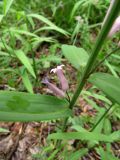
(23, 32)
(19, 106)
(109, 84)
(88, 136)
(49, 23)
(1, 17)
(26, 81)
(6, 6)
(76, 56)
(76, 6)
(25, 61)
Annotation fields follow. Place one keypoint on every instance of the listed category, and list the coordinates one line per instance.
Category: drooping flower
(56, 91)
(115, 28)
(63, 81)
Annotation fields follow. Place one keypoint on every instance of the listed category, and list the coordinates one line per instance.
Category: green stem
(100, 41)
(101, 118)
(107, 56)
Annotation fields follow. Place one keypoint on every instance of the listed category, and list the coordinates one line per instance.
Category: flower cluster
(63, 82)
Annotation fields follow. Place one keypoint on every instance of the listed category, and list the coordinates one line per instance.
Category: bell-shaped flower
(63, 81)
(56, 91)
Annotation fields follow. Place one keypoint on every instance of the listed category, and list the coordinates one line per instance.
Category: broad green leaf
(88, 136)
(27, 82)
(48, 22)
(76, 56)
(6, 5)
(20, 106)
(4, 130)
(109, 84)
(25, 61)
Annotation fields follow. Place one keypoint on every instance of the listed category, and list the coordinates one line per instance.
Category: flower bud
(56, 91)
(62, 79)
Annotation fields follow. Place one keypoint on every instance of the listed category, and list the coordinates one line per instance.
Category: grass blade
(25, 61)
(49, 23)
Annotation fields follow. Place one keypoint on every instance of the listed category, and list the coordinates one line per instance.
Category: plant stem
(107, 56)
(100, 41)
(101, 118)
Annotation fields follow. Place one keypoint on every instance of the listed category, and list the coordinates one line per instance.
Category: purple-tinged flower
(56, 91)
(115, 28)
(63, 81)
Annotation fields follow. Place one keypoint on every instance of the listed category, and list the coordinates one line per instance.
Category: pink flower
(115, 28)
(63, 81)
(56, 91)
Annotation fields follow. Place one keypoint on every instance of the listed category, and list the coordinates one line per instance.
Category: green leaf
(76, 6)
(115, 135)
(105, 155)
(111, 68)
(20, 106)
(36, 41)
(1, 17)
(53, 154)
(107, 126)
(49, 23)
(88, 136)
(109, 84)
(27, 82)
(97, 96)
(77, 155)
(24, 32)
(76, 56)
(4, 130)
(6, 5)
(25, 61)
